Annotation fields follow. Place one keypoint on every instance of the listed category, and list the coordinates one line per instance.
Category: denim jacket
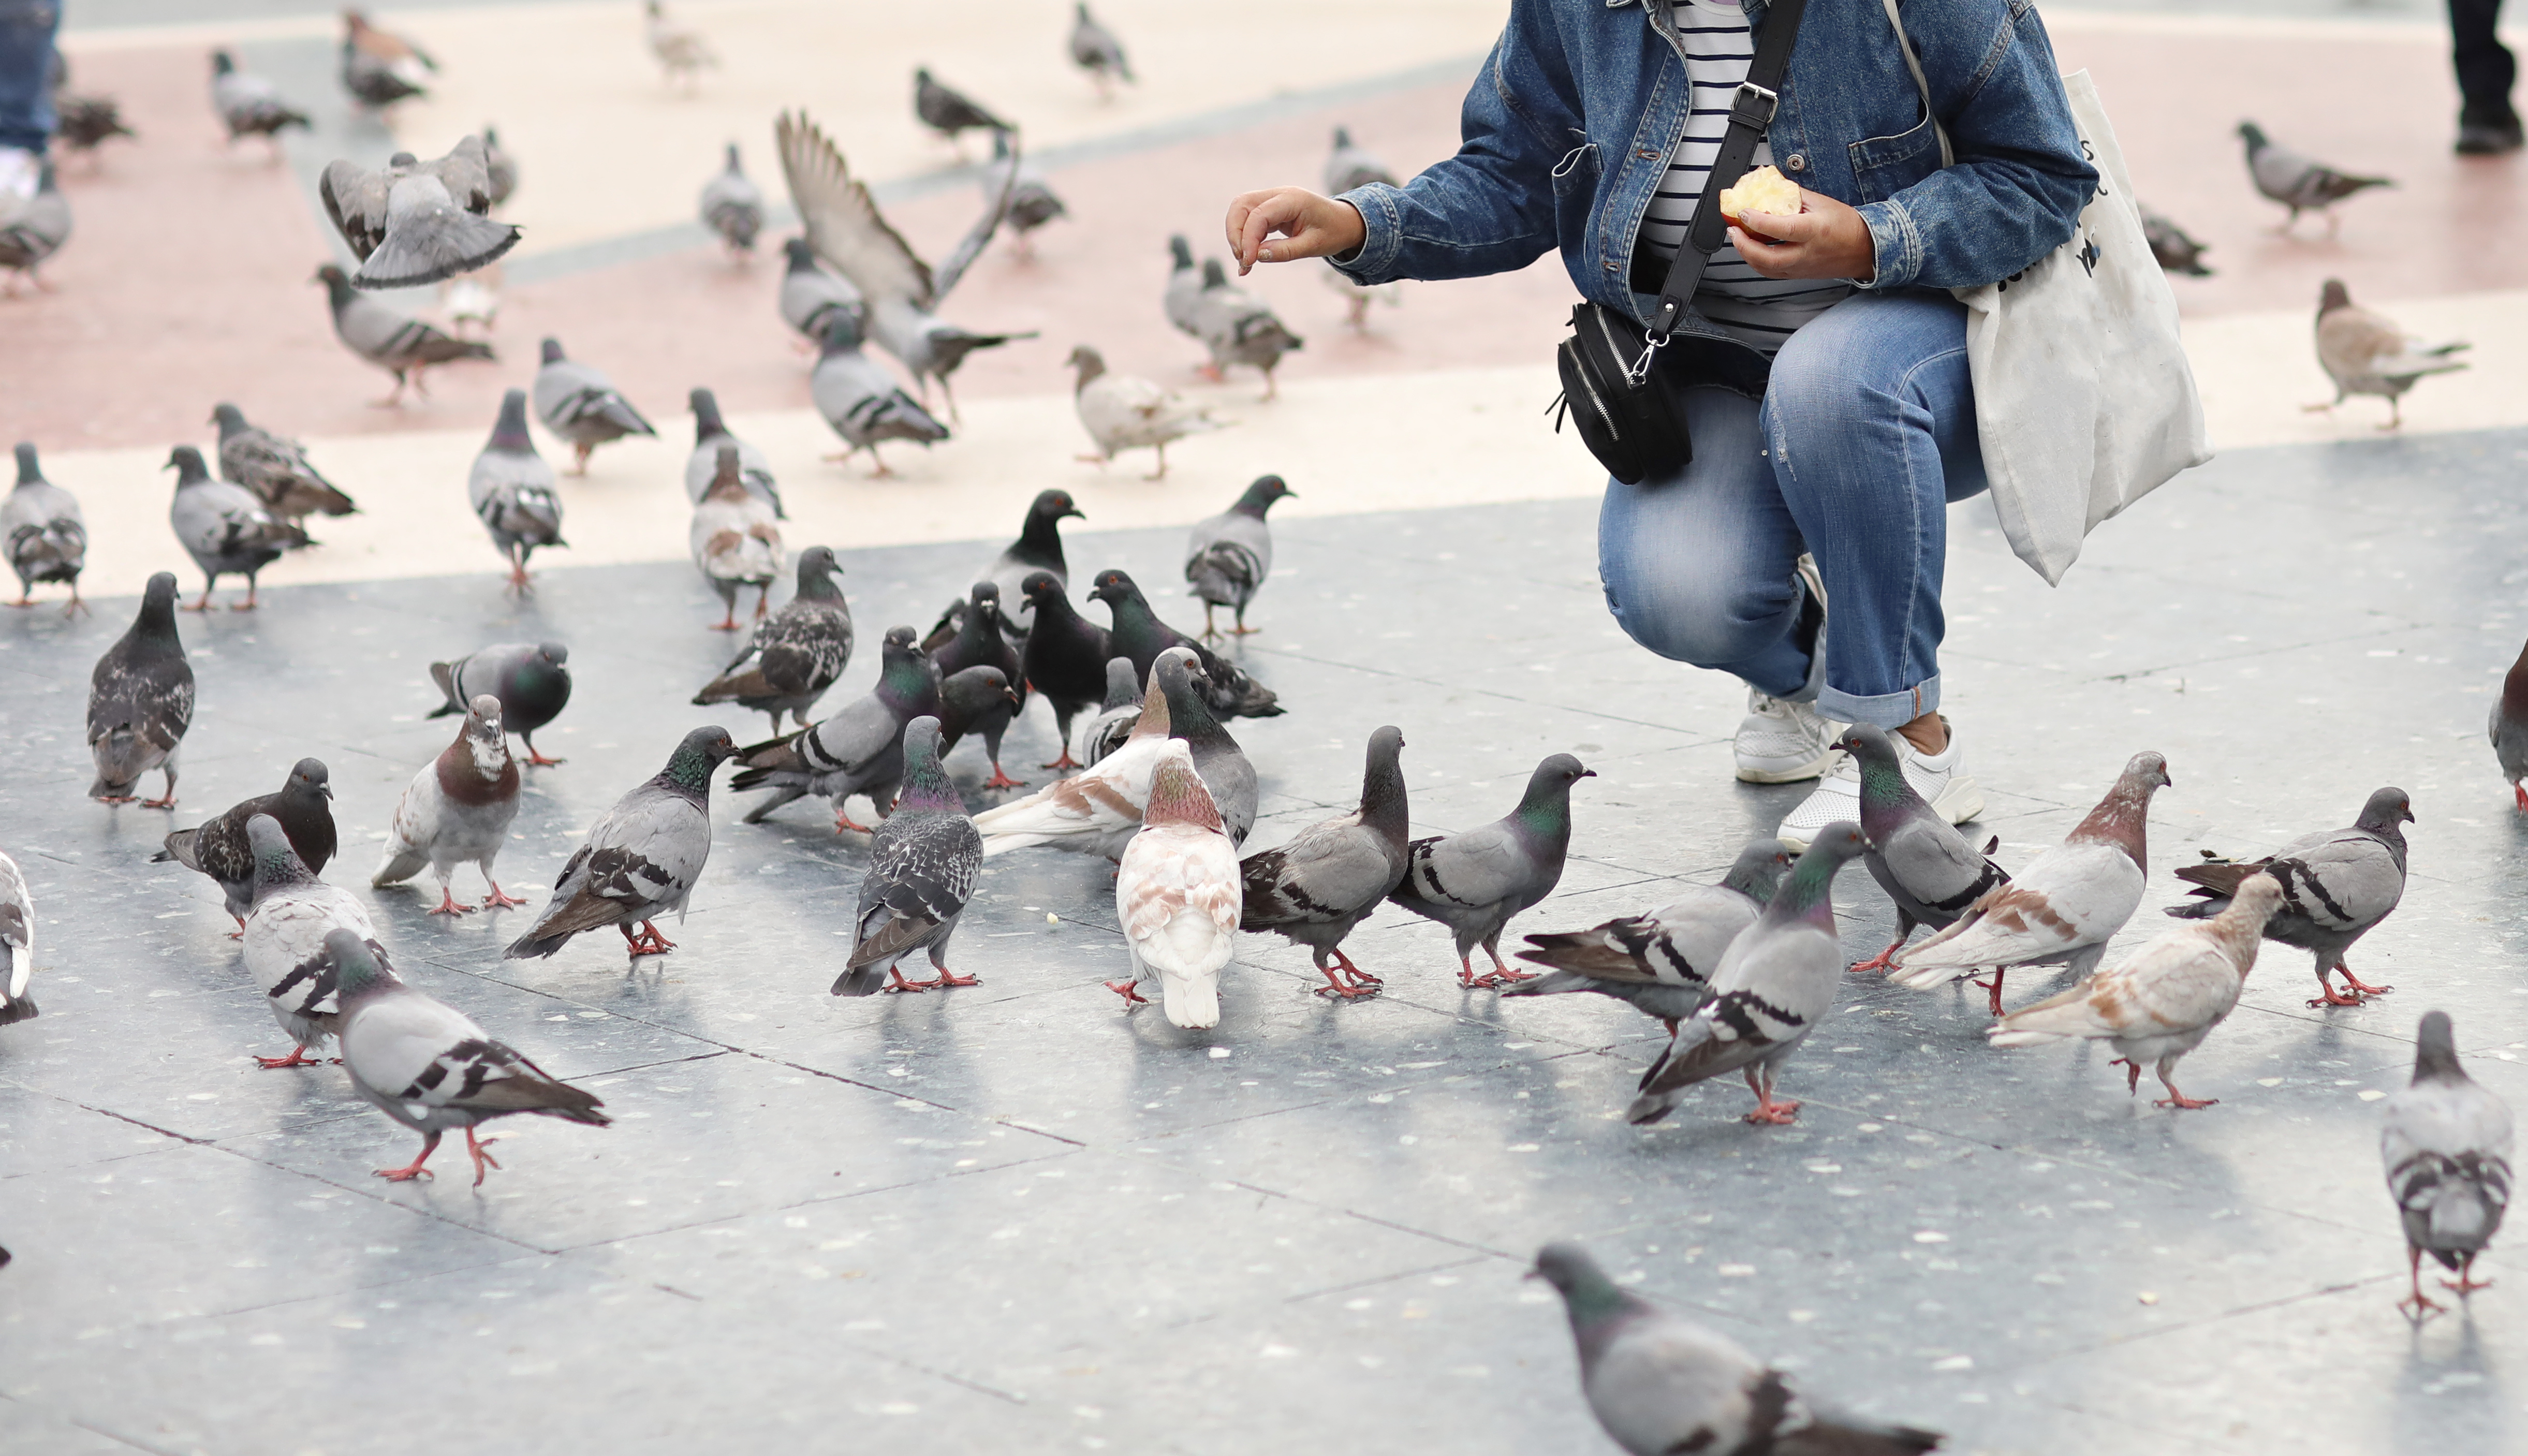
(1567, 131)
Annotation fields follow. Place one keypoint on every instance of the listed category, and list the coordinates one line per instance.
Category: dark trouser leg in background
(2486, 70)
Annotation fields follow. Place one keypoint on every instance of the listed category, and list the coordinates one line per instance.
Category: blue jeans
(1865, 434)
(25, 72)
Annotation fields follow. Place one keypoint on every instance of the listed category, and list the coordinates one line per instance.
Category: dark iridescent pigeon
(1475, 882)
(531, 681)
(980, 643)
(641, 859)
(2336, 886)
(289, 916)
(1915, 855)
(1037, 549)
(858, 750)
(301, 806)
(971, 696)
(2447, 1146)
(1228, 557)
(141, 702)
(1139, 635)
(1661, 964)
(2507, 727)
(1065, 659)
(922, 863)
(1330, 877)
(797, 652)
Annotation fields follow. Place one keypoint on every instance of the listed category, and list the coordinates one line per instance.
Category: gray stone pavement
(1014, 1218)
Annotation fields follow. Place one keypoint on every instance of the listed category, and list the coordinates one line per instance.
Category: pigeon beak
(1073, 515)
(1588, 773)
(327, 790)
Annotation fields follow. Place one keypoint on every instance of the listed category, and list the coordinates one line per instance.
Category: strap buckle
(1640, 368)
(1754, 105)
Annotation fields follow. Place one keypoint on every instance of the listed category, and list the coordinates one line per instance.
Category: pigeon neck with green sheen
(816, 580)
(1259, 497)
(27, 473)
(278, 867)
(1189, 717)
(688, 771)
(926, 785)
(1807, 892)
(1545, 810)
(1383, 805)
(358, 974)
(1884, 793)
(907, 677)
(1598, 1309)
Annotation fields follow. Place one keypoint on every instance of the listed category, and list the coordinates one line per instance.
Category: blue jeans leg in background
(25, 72)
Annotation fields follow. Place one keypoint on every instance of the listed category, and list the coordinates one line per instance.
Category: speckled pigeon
(1139, 635)
(980, 643)
(43, 531)
(274, 468)
(2508, 726)
(1227, 776)
(579, 403)
(304, 807)
(922, 863)
(141, 702)
(289, 913)
(17, 945)
(1330, 877)
(1178, 896)
(710, 432)
(2336, 886)
(858, 750)
(1229, 557)
(391, 339)
(225, 527)
(457, 810)
(1475, 882)
(2447, 1146)
(1097, 811)
(1065, 659)
(1926, 866)
(797, 652)
(641, 859)
(512, 491)
(1092, 739)
(1662, 962)
(531, 681)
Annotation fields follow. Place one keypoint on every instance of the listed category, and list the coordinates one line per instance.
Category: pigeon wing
(841, 219)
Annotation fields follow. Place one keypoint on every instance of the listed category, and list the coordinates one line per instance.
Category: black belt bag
(1628, 411)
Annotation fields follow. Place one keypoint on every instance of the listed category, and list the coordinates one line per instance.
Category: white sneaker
(20, 174)
(1940, 778)
(1780, 742)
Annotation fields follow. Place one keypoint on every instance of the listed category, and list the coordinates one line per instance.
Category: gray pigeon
(2365, 353)
(641, 859)
(394, 341)
(2336, 886)
(1349, 166)
(1139, 635)
(710, 432)
(141, 702)
(1228, 557)
(577, 403)
(1331, 877)
(430, 1067)
(275, 469)
(732, 206)
(1095, 50)
(1183, 299)
(1475, 882)
(1661, 964)
(797, 652)
(251, 106)
(531, 681)
(219, 848)
(33, 228)
(416, 221)
(859, 399)
(2447, 1146)
(290, 912)
(1092, 739)
(949, 111)
(1775, 983)
(499, 168)
(811, 293)
(980, 643)
(225, 527)
(43, 531)
(2171, 247)
(2297, 183)
(2508, 726)
(1661, 1384)
(1240, 328)
(923, 864)
(17, 945)
(858, 750)
(1227, 777)
(512, 491)
(1032, 200)
(1928, 868)
(457, 810)
(379, 66)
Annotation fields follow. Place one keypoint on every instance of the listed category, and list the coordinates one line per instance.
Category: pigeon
(2159, 1002)
(251, 106)
(499, 168)
(797, 652)
(922, 863)
(1229, 556)
(1065, 657)
(710, 432)
(948, 111)
(141, 702)
(641, 859)
(859, 399)
(2366, 353)
(2508, 726)
(219, 848)
(512, 491)
(1774, 984)
(2334, 885)
(1095, 50)
(33, 228)
(1032, 202)
(379, 66)
(1037, 549)
(2062, 907)
(1240, 328)
(1096, 810)
(396, 342)
(457, 810)
(416, 221)
(80, 123)
(2445, 1143)
(46, 534)
(2171, 247)
(1660, 963)
(1124, 413)
(1139, 635)
(275, 469)
(1475, 882)
(732, 206)
(969, 697)
(1183, 300)
(1330, 877)
(858, 750)
(844, 227)
(2297, 183)
(531, 681)
(1350, 166)
(980, 643)
(225, 527)
(1661, 1384)
(734, 540)
(1179, 895)
(811, 292)
(430, 1067)
(1092, 739)
(1926, 866)
(289, 913)
(1227, 776)
(17, 945)
(577, 403)
(680, 49)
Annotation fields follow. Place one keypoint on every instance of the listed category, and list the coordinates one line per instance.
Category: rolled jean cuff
(1889, 711)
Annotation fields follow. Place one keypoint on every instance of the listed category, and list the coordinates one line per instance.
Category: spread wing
(355, 199)
(970, 246)
(842, 219)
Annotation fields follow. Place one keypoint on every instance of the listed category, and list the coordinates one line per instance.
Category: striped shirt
(1750, 307)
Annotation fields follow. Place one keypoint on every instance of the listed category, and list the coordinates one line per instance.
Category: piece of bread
(1762, 190)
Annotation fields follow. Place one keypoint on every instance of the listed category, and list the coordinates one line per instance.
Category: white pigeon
(1177, 895)
(2063, 908)
(1093, 812)
(1093, 738)
(457, 810)
(2447, 1146)
(1124, 413)
(17, 944)
(285, 940)
(2159, 1002)
(735, 539)
(680, 49)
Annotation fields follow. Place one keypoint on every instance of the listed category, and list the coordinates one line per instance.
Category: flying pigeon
(251, 106)
(1092, 739)
(396, 342)
(1330, 877)
(1775, 982)
(1660, 963)
(2507, 727)
(1122, 412)
(1139, 635)
(288, 914)
(1240, 328)
(44, 533)
(641, 859)
(2366, 353)
(922, 863)
(141, 702)
(275, 469)
(1179, 895)
(735, 539)
(1915, 855)
(2171, 247)
(225, 527)
(859, 399)
(416, 221)
(1227, 776)
(430, 1067)
(577, 403)
(710, 432)
(2159, 1002)
(530, 680)
(1037, 549)
(2447, 1146)
(1661, 1384)
(2336, 886)
(1065, 657)
(500, 168)
(379, 66)
(1094, 811)
(968, 698)
(1095, 50)
(455, 812)
(680, 49)
(2297, 183)
(1032, 202)
(980, 643)
(811, 292)
(2062, 907)
(512, 491)
(219, 848)
(33, 228)
(732, 206)
(948, 111)
(1183, 299)
(17, 945)
(1475, 882)
(1228, 557)
(797, 652)
(858, 750)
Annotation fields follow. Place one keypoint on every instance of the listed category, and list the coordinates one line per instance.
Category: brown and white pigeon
(1475, 882)
(219, 848)
(290, 914)
(455, 812)
(1125, 412)
(1178, 896)
(2507, 727)
(1661, 964)
(141, 702)
(736, 540)
(1226, 775)
(2336, 886)
(923, 864)
(379, 66)
(641, 859)
(2445, 1142)
(2297, 182)
(1095, 811)
(1329, 877)
(2366, 353)
(1915, 855)
(797, 652)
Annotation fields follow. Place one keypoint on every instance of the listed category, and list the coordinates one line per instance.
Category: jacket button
(1795, 162)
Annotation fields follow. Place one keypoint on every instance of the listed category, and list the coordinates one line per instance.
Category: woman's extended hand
(1308, 226)
(1828, 240)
